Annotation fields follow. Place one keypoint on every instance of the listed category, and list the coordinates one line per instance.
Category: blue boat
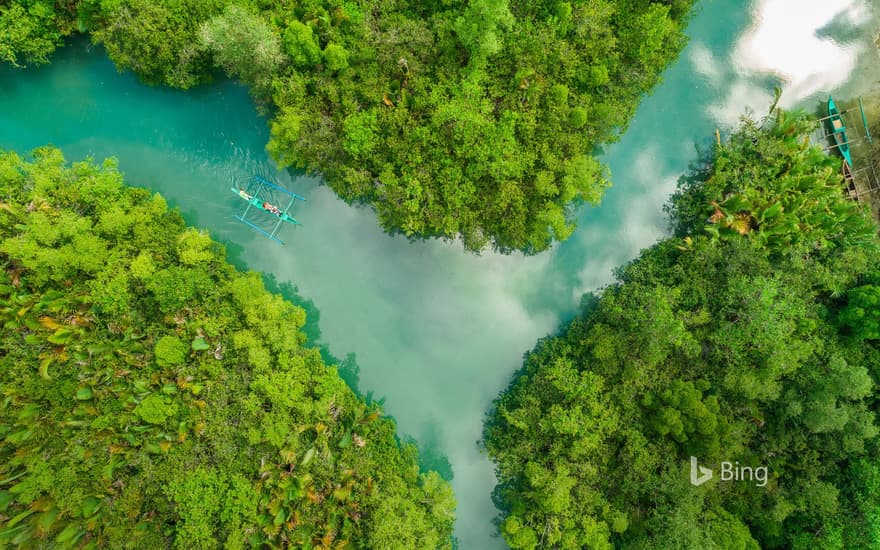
(838, 131)
(264, 196)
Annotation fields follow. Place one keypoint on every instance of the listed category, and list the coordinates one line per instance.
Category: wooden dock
(862, 181)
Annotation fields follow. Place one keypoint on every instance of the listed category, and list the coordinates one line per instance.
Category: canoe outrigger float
(267, 197)
(838, 131)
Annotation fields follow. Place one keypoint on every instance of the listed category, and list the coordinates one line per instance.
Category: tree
(862, 312)
(157, 39)
(29, 32)
(300, 45)
(336, 57)
(243, 45)
(479, 27)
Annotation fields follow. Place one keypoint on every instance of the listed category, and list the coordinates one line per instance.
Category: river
(434, 331)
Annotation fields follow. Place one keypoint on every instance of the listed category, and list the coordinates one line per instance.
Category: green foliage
(29, 31)
(286, 128)
(142, 266)
(195, 248)
(862, 312)
(752, 345)
(244, 45)
(170, 351)
(360, 133)
(199, 499)
(479, 26)
(336, 57)
(159, 40)
(155, 409)
(790, 199)
(173, 404)
(681, 412)
(451, 119)
(300, 45)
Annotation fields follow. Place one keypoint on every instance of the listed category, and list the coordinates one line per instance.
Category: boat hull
(257, 203)
(838, 131)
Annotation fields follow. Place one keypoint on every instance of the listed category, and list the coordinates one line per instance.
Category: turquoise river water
(435, 331)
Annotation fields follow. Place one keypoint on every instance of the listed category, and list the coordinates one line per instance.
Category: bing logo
(730, 471)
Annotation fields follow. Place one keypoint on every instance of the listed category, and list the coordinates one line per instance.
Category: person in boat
(244, 194)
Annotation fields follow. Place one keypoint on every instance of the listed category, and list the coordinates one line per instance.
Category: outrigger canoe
(264, 206)
(838, 131)
(263, 195)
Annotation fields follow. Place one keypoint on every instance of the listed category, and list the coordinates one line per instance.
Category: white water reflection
(785, 41)
(810, 47)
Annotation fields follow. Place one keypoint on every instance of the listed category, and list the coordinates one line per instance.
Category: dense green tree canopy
(470, 119)
(29, 31)
(153, 396)
(749, 336)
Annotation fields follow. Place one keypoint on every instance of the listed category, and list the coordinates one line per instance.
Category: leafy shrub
(170, 351)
